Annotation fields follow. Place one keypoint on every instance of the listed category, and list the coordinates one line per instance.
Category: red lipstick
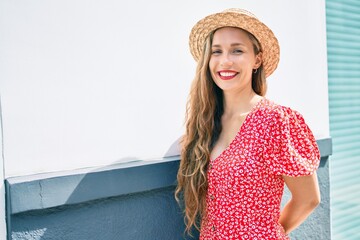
(227, 74)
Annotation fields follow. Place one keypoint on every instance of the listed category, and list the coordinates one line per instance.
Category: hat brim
(269, 43)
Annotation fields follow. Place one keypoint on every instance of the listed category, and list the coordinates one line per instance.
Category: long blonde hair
(203, 127)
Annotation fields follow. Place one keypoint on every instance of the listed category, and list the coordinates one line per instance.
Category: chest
(240, 163)
(230, 129)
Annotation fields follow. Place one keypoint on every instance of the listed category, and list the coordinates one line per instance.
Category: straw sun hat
(241, 19)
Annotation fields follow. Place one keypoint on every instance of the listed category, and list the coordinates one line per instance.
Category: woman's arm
(305, 197)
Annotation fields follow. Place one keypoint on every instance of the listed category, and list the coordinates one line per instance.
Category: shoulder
(274, 115)
(270, 109)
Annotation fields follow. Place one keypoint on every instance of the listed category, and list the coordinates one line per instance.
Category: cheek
(212, 65)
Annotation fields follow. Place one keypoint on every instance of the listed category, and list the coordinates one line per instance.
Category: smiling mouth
(227, 75)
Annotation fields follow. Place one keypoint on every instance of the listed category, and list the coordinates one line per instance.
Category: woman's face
(232, 59)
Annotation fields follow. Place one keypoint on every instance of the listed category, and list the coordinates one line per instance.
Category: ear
(258, 60)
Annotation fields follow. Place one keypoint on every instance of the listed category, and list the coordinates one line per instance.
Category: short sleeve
(290, 146)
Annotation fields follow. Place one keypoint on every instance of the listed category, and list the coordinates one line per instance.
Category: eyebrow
(232, 45)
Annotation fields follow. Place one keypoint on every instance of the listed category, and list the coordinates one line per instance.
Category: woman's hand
(305, 197)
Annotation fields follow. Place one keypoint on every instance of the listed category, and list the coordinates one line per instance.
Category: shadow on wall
(141, 216)
(133, 200)
(174, 149)
(129, 199)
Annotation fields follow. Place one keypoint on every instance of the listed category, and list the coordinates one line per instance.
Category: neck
(239, 103)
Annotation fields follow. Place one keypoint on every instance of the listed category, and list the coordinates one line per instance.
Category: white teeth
(227, 74)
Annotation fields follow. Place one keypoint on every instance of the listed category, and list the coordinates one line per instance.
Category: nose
(226, 62)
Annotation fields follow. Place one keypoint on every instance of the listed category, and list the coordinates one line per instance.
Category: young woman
(241, 148)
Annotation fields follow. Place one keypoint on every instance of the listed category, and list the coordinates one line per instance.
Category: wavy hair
(203, 126)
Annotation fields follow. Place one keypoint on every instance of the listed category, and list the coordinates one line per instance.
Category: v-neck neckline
(257, 105)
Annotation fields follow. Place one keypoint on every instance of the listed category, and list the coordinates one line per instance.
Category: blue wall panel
(343, 44)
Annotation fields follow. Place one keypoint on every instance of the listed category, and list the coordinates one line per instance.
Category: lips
(227, 75)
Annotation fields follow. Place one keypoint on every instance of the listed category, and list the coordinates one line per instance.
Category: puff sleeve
(290, 146)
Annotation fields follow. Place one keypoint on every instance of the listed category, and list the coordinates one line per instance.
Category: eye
(216, 52)
(237, 51)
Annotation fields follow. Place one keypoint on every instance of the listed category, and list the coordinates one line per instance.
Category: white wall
(2, 186)
(90, 83)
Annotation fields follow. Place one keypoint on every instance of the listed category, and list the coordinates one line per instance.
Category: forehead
(230, 35)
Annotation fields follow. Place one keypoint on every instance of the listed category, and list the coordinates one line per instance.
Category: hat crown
(239, 11)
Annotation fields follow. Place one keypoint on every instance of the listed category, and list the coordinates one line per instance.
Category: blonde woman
(240, 148)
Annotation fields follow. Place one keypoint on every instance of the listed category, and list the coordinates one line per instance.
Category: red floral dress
(245, 184)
